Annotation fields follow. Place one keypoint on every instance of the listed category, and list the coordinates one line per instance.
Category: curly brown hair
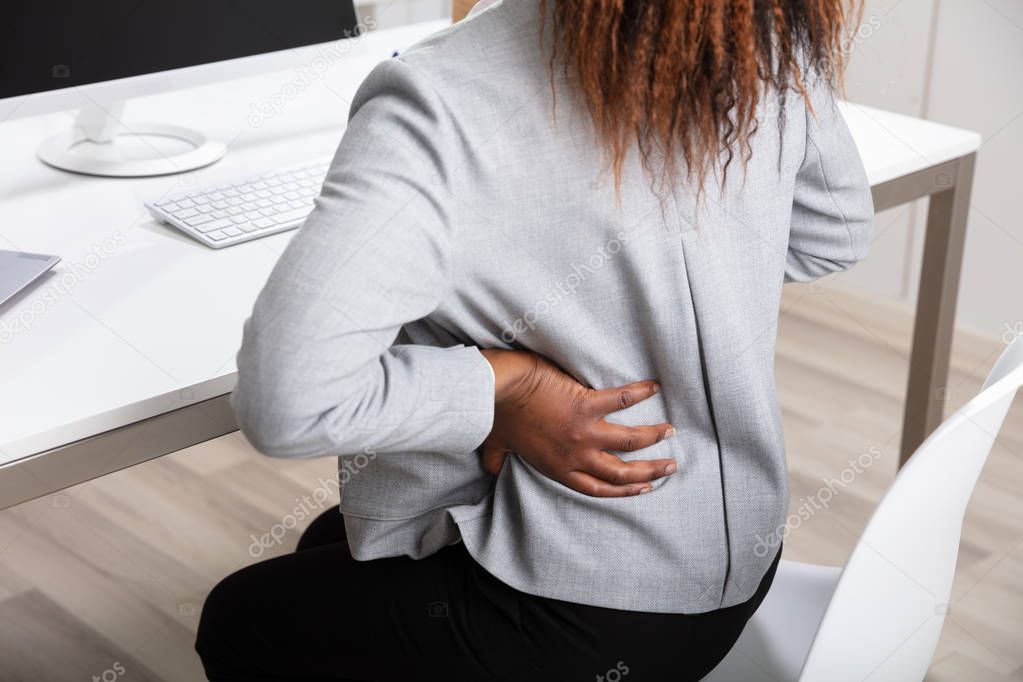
(684, 77)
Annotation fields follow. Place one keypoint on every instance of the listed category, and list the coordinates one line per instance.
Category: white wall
(977, 83)
(958, 62)
(388, 13)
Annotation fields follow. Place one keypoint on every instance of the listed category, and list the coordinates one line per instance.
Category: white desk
(134, 357)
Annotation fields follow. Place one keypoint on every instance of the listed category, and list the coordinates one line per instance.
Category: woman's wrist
(510, 369)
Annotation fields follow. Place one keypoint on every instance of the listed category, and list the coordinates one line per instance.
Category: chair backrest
(886, 615)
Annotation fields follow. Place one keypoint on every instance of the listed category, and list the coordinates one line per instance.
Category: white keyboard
(236, 212)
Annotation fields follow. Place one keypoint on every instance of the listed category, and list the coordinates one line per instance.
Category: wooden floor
(106, 579)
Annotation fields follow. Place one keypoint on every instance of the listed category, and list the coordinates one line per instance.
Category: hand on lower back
(556, 424)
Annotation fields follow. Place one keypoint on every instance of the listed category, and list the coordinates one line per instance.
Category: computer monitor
(93, 55)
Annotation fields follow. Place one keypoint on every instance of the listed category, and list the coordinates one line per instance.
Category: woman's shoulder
(495, 42)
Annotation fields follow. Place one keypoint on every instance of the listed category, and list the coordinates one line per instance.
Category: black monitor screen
(52, 44)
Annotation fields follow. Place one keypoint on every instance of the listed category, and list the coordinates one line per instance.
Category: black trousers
(318, 614)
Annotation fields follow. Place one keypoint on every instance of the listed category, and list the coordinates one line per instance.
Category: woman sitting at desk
(528, 212)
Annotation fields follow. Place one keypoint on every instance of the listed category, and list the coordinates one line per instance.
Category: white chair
(880, 617)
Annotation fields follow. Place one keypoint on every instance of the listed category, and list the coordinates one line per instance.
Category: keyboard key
(264, 222)
(201, 219)
(217, 236)
(232, 231)
(187, 213)
(239, 220)
(215, 225)
(291, 216)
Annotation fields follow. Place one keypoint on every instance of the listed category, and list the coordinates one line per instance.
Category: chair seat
(777, 638)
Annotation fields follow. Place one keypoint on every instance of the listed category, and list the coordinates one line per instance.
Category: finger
(608, 400)
(582, 482)
(493, 458)
(614, 470)
(630, 438)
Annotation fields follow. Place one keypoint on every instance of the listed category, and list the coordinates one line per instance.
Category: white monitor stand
(101, 143)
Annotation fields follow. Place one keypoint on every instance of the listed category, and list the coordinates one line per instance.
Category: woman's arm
(832, 206)
(318, 373)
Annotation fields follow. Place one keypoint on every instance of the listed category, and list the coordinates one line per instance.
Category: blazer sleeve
(318, 371)
(832, 208)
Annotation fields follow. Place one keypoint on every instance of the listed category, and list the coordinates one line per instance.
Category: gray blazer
(463, 210)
